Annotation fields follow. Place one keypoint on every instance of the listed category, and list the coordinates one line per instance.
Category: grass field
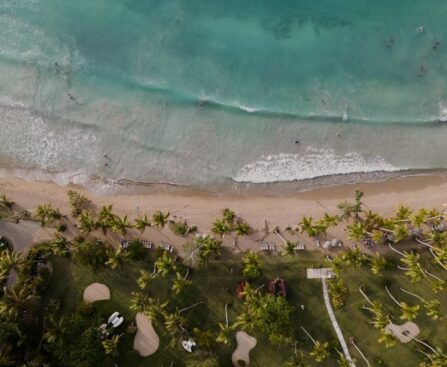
(216, 285)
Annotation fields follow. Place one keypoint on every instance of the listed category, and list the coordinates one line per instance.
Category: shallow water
(201, 92)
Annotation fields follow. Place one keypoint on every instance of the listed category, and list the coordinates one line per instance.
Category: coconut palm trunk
(281, 237)
(365, 296)
(414, 295)
(437, 259)
(426, 345)
(310, 336)
(189, 307)
(396, 251)
(360, 352)
(392, 297)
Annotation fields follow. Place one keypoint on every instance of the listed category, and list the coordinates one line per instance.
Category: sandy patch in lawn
(96, 292)
(245, 343)
(146, 340)
(405, 332)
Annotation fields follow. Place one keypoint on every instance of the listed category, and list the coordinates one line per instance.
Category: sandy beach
(201, 209)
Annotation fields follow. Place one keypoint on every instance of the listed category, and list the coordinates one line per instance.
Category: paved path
(335, 323)
(24, 234)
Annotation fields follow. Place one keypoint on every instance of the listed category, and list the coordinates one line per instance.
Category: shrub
(92, 253)
(136, 250)
(181, 229)
(77, 202)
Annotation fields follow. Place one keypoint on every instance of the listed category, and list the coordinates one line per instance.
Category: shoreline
(101, 186)
(202, 208)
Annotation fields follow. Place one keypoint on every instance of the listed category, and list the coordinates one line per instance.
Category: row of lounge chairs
(148, 245)
(167, 247)
(268, 246)
(299, 247)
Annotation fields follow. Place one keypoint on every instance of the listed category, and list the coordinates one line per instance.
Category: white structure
(188, 344)
(320, 273)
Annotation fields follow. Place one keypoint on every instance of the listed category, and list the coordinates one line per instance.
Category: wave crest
(313, 163)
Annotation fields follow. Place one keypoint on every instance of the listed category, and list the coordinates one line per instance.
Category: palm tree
(307, 225)
(380, 319)
(245, 321)
(400, 233)
(387, 338)
(372, 220)
(221, 227)
(354, 257)
(106, 218)
(224, 333)
(431, 307)
(321, 349)
(409, 313)
(242, 228)
(224, 329)
(420, 217)
(289, 248)
(141, 223)
(144, 279)
(151, 307)
(180, 283)
(229, 215)
(5, 203)
(252, 265)
(330, 220)
(160, 219)
(378, 263)
(347, 209)
(10, 260)
(116, 258)
(356, 231)
(403, 213)
(60, 246)
(54, 328)
(204, 338)
(43, 213)
(175, 326)
(86, 222)
(111, 345)
(121, 224)
(165, 263)
(14, 299)
(298, 360)
(358, 203)
(139, 302)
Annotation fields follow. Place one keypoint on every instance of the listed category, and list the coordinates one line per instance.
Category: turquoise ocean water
(197, 92)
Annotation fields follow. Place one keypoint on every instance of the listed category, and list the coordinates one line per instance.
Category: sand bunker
(96, 292)
(245, 343)
(146, 340)
(405, 332)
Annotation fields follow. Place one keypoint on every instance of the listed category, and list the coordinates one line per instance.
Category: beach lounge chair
(124, 244)
(272, 247)
(188, 344)
(113, 316)
(117, 321)
(264, 246)
(148, 244)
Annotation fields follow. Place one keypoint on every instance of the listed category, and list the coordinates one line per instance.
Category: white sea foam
(27, 137)
(313, 163)
(442, 113)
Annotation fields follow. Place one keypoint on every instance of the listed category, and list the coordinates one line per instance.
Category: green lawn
(216, 287)
(355, 322)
